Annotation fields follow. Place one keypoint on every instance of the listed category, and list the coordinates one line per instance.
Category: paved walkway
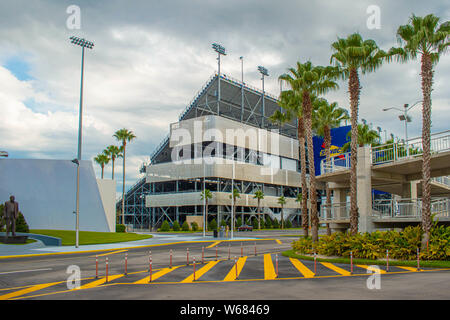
(39, 248)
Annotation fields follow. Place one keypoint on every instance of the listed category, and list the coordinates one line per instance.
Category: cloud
(151, 57)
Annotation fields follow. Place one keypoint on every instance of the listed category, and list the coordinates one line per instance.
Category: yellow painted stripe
(214, 244)
(106, 254)
(156, 275)
(200, 272)
(269, 270)
(407, 268)
(28, 290)
(371, 268)
(336, 269)
(302, 268)
(231, 276)
(101, 281)
(278, 241)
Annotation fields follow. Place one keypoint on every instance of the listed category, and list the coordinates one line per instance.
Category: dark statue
(10, 214)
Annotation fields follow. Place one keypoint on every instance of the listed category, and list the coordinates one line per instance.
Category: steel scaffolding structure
(238, 101)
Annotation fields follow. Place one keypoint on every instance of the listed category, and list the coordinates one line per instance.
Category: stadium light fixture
(263, 72)
(83, 43)
(220, 51)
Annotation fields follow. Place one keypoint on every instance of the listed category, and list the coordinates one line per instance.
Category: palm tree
(352, 55)
(206, 195)
(259, 195)
(282, 202)
(366, 137)
(425, 37)
(124, 135)
(102, 159)
(299, 199)
(113, 152)
(291, 102)
(328, 116)
(235, 194)
(309, 81)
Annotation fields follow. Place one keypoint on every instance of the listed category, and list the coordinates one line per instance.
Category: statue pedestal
(13, 240)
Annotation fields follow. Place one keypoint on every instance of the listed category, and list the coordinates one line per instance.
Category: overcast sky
(150, 58)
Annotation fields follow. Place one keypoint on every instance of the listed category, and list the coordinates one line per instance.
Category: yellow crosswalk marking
(108, 253)
(156, 275)
(200, 272)
(231, 276)
(269, 270)
(302, 268)
(100, 281)
(27, 290)
(407, 268)
(214, 244)
(336, 268)
(371, 268)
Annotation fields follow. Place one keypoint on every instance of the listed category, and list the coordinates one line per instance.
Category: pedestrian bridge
(395, 168)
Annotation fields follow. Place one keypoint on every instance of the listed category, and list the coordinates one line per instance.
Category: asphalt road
(45, 277)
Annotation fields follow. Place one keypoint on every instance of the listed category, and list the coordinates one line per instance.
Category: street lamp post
(406, 118)
(263, 72)
(242, 88)
(220, 51)
(83, 44)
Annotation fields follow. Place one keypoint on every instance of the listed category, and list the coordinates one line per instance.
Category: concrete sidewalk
(39, 248)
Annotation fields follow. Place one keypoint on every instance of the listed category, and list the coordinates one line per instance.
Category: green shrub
(276, 224)
(223, 223)
(194, 226)
(21, 224)
(255, 223)
(212, 225)
(238, 222)
(176, 226)
(165, 226)
(268, 223)
(120, 228)
(401, 245)
(288, 224)
(185, 226)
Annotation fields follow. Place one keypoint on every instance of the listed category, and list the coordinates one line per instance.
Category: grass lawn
(408, 263)
(89, 237)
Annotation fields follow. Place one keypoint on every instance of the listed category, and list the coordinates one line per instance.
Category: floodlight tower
(83, 44)
(242, 88)
(220, 51)
(263, 72)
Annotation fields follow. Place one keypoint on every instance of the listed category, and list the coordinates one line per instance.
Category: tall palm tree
(102, 159)
(309, 80)
(291, 102)
(282, 202)
(235, 194)
(424, 36)
(113, 152)
(366, 137)
(259, 195)
(299, 199)
(124, 136)
(206, 195)
(353, 55)
(327, 117)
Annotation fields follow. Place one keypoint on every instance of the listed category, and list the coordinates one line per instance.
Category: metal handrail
(408, 208)
(335, 163)
(393, 152)
(336, 211)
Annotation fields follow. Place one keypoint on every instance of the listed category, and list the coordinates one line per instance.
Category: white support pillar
(364, 187)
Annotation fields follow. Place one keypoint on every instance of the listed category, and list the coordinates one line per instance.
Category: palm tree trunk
(282, 216)
(354, 89)
(327, 141)
(304, 210)
(123, 184)
(307, 109)
(206, 214)
(103, 167)
(427, 82)
(259, 213)
(112, 158)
